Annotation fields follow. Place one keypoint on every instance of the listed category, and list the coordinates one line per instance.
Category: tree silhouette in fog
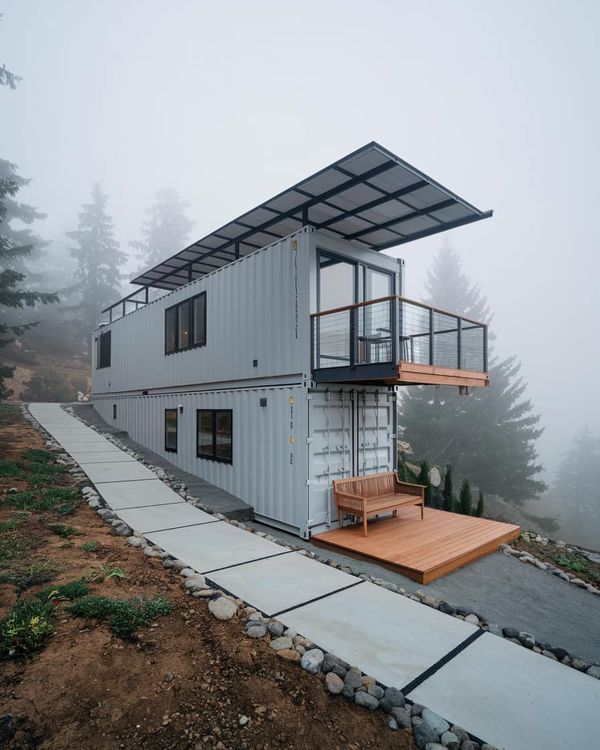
(578, 478)
(165, 231)
(99, 258)
(489, 436)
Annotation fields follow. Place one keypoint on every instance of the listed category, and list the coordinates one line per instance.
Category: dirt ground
(573, 563)
(185, 682)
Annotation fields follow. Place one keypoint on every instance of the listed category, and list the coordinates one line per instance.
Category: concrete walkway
(501, 692)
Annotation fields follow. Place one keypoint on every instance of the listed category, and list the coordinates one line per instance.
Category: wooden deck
(422, 550)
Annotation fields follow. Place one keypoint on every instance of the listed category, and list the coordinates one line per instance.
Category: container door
(330, 450)
(374, 435)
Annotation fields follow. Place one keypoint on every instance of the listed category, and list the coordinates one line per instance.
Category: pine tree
(465, 499)
(479, 508)
(98, 260)
(490, 435)
(578, 478)
(402, 468)
(448, 495)
(165, 231)
(14, 248)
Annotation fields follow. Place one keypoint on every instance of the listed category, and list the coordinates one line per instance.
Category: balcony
(397, 341)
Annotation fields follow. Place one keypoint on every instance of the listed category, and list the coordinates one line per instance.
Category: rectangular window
(171, 430)
(214, 438)
(199, 320)
(114, 411)
(103, 352)
(185, 324)
(171, 330)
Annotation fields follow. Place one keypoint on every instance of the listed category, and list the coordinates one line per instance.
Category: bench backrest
(371, 485)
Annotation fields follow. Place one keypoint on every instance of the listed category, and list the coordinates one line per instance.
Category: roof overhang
(370, 198)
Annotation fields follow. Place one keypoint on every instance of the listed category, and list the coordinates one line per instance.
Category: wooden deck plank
(422, 549)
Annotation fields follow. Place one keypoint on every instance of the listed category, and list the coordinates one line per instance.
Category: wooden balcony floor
(422, 550)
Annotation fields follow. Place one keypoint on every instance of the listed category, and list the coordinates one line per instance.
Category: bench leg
(341, 518)
(365, 524)
(421, 511)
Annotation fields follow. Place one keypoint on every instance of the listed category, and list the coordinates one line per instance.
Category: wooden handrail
(400, 299)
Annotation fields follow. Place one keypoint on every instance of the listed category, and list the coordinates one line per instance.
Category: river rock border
(136, 539)
(527, 557)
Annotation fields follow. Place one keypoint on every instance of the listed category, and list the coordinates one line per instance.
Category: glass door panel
(375, 321)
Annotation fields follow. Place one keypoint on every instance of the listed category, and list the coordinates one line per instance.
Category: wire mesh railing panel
(374, 340)
(473, 346)
(445, 340)
(414, 333)
(332, 340)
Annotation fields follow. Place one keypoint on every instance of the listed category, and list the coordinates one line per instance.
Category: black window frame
(167, 449)
(114, 411)
(213, 456)
(102, 360)
(190, 302)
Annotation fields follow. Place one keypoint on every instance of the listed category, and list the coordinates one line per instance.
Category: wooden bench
(375, 493)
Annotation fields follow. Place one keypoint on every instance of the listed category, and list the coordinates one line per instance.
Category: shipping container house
(270, 365)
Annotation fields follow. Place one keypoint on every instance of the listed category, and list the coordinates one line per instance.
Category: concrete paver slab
(514, 698)
(160, 517)
(146, 492)
(214, 545)
(387, 635)
(91, 457)
(275, 584)
(117, 472)
(88, 447)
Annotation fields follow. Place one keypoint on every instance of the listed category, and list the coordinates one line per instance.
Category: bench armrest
(351, 501)
(410, 488)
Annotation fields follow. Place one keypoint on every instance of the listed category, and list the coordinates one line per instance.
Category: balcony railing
(374, 337)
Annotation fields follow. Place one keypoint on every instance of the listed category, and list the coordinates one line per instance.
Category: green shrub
(479, 509)
(43, 499)
(63, 531)
(38, 468)
(11, 524)
(49, 386)
(448, 494)
(124, 616)
(26, 627)
(90, 546)
(72, 590)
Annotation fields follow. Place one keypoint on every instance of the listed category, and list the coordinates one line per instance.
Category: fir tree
(490, 435)
(402, 468)
(165, 231)
(578, 478)
(466, 499)
(14, 248)
(447, 493)
(479, 508)
(98, 260)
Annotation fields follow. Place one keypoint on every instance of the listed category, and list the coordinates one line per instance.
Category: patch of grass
(62, 530)
(13, 546)
(37, 469)
(13, 523)
(97, 575)
(9, 468)
(90, 546)
(26, 627)
(10, 414)
(72, 590)
(124, 616)
(44, 499)
(38, 572)
(38, 455)
(578, 564)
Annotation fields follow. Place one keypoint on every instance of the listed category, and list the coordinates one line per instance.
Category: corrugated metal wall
(269, 467)
(257, 309)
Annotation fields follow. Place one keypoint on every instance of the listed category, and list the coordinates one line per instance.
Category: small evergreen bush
(466, 499)
(479, 508)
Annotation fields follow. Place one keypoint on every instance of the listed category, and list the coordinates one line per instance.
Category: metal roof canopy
(370, 198)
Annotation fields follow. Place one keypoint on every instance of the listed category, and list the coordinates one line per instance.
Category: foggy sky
(232, 102)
